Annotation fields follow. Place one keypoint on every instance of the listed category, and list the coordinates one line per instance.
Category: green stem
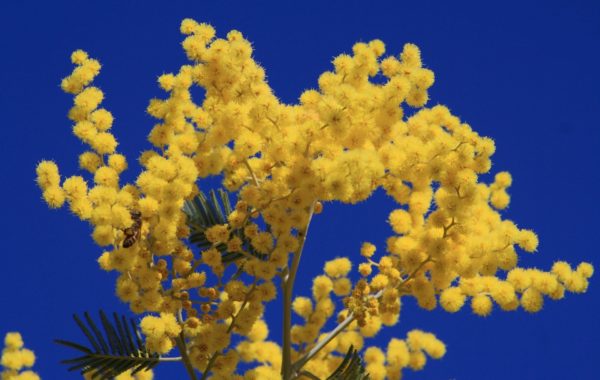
(170, 359)
(244, 303)
(254, 179)
(288, 290)
(216, 354)
(297, 366)
(181, 346)
(184, 355)
(315, 350)
(209, 365)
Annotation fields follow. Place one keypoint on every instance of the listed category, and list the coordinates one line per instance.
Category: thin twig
(181, 346)
(254, 179)
(315, 350)
(244, 302)
(339, 328)
(216, 354)
(170, 359)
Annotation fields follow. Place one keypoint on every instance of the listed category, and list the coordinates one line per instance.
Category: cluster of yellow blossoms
(15, 358)
(340, 143)
(401, 354)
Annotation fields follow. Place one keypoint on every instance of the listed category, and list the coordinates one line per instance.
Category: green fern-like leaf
(203, 213)
(351, 368)
(114, 348)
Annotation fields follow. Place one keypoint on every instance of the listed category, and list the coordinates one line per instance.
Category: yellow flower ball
(54, 196)
(586, 270)
(322, 286)
(47, 174)
(259, 331)
(75, 187)
(103, 235)
(104, 143)
(500, 199)
(337, 267)
(302, 306)
(527, 240)
(532, 300)
(89, 161)
(106, 176)
(342, 286)
(481, 305)
(78, 57)
(148, 206)
(102, 119)
(401, 221)
(118, 162)
(367, 249)
(13, 341)
(503, 179)
(452, 299)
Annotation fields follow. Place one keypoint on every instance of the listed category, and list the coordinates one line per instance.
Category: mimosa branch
(288, 289)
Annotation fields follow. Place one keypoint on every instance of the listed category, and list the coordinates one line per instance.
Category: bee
(133, 233)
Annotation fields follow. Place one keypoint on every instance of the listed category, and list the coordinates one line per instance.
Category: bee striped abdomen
(133, 233)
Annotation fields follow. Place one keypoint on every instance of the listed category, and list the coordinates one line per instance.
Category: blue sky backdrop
(524, 73)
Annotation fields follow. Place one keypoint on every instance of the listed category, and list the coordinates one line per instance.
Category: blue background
(525, 74)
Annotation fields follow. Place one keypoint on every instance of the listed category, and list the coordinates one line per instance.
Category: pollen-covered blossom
(403, 353)
(449, 244)
(338, 267)
(160, 332)
(15, 358)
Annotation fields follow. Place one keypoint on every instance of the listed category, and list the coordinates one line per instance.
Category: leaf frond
(204, 212)
(351, 368)
(124, 351)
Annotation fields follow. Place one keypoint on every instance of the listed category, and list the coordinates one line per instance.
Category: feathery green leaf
(351, 368)
(127, 350)
(204, 212)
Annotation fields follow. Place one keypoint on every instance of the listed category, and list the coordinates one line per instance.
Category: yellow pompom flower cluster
(499, 198)
(401, 354)
(342, 141)
(85, 71)
(105, 205)
(15, 358)
(160, 332)
(48, 180)
(310, 334)
(266, 353)
(157, 196)
(315, 316)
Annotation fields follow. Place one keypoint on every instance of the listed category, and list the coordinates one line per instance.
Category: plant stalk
(288, 290)
(184, 356)
(170, 359)
(297, 366)
(209, 365)
(315, 350)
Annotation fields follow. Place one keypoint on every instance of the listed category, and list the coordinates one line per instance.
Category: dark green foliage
(204, 213)
(115, 348)
(351, 368)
